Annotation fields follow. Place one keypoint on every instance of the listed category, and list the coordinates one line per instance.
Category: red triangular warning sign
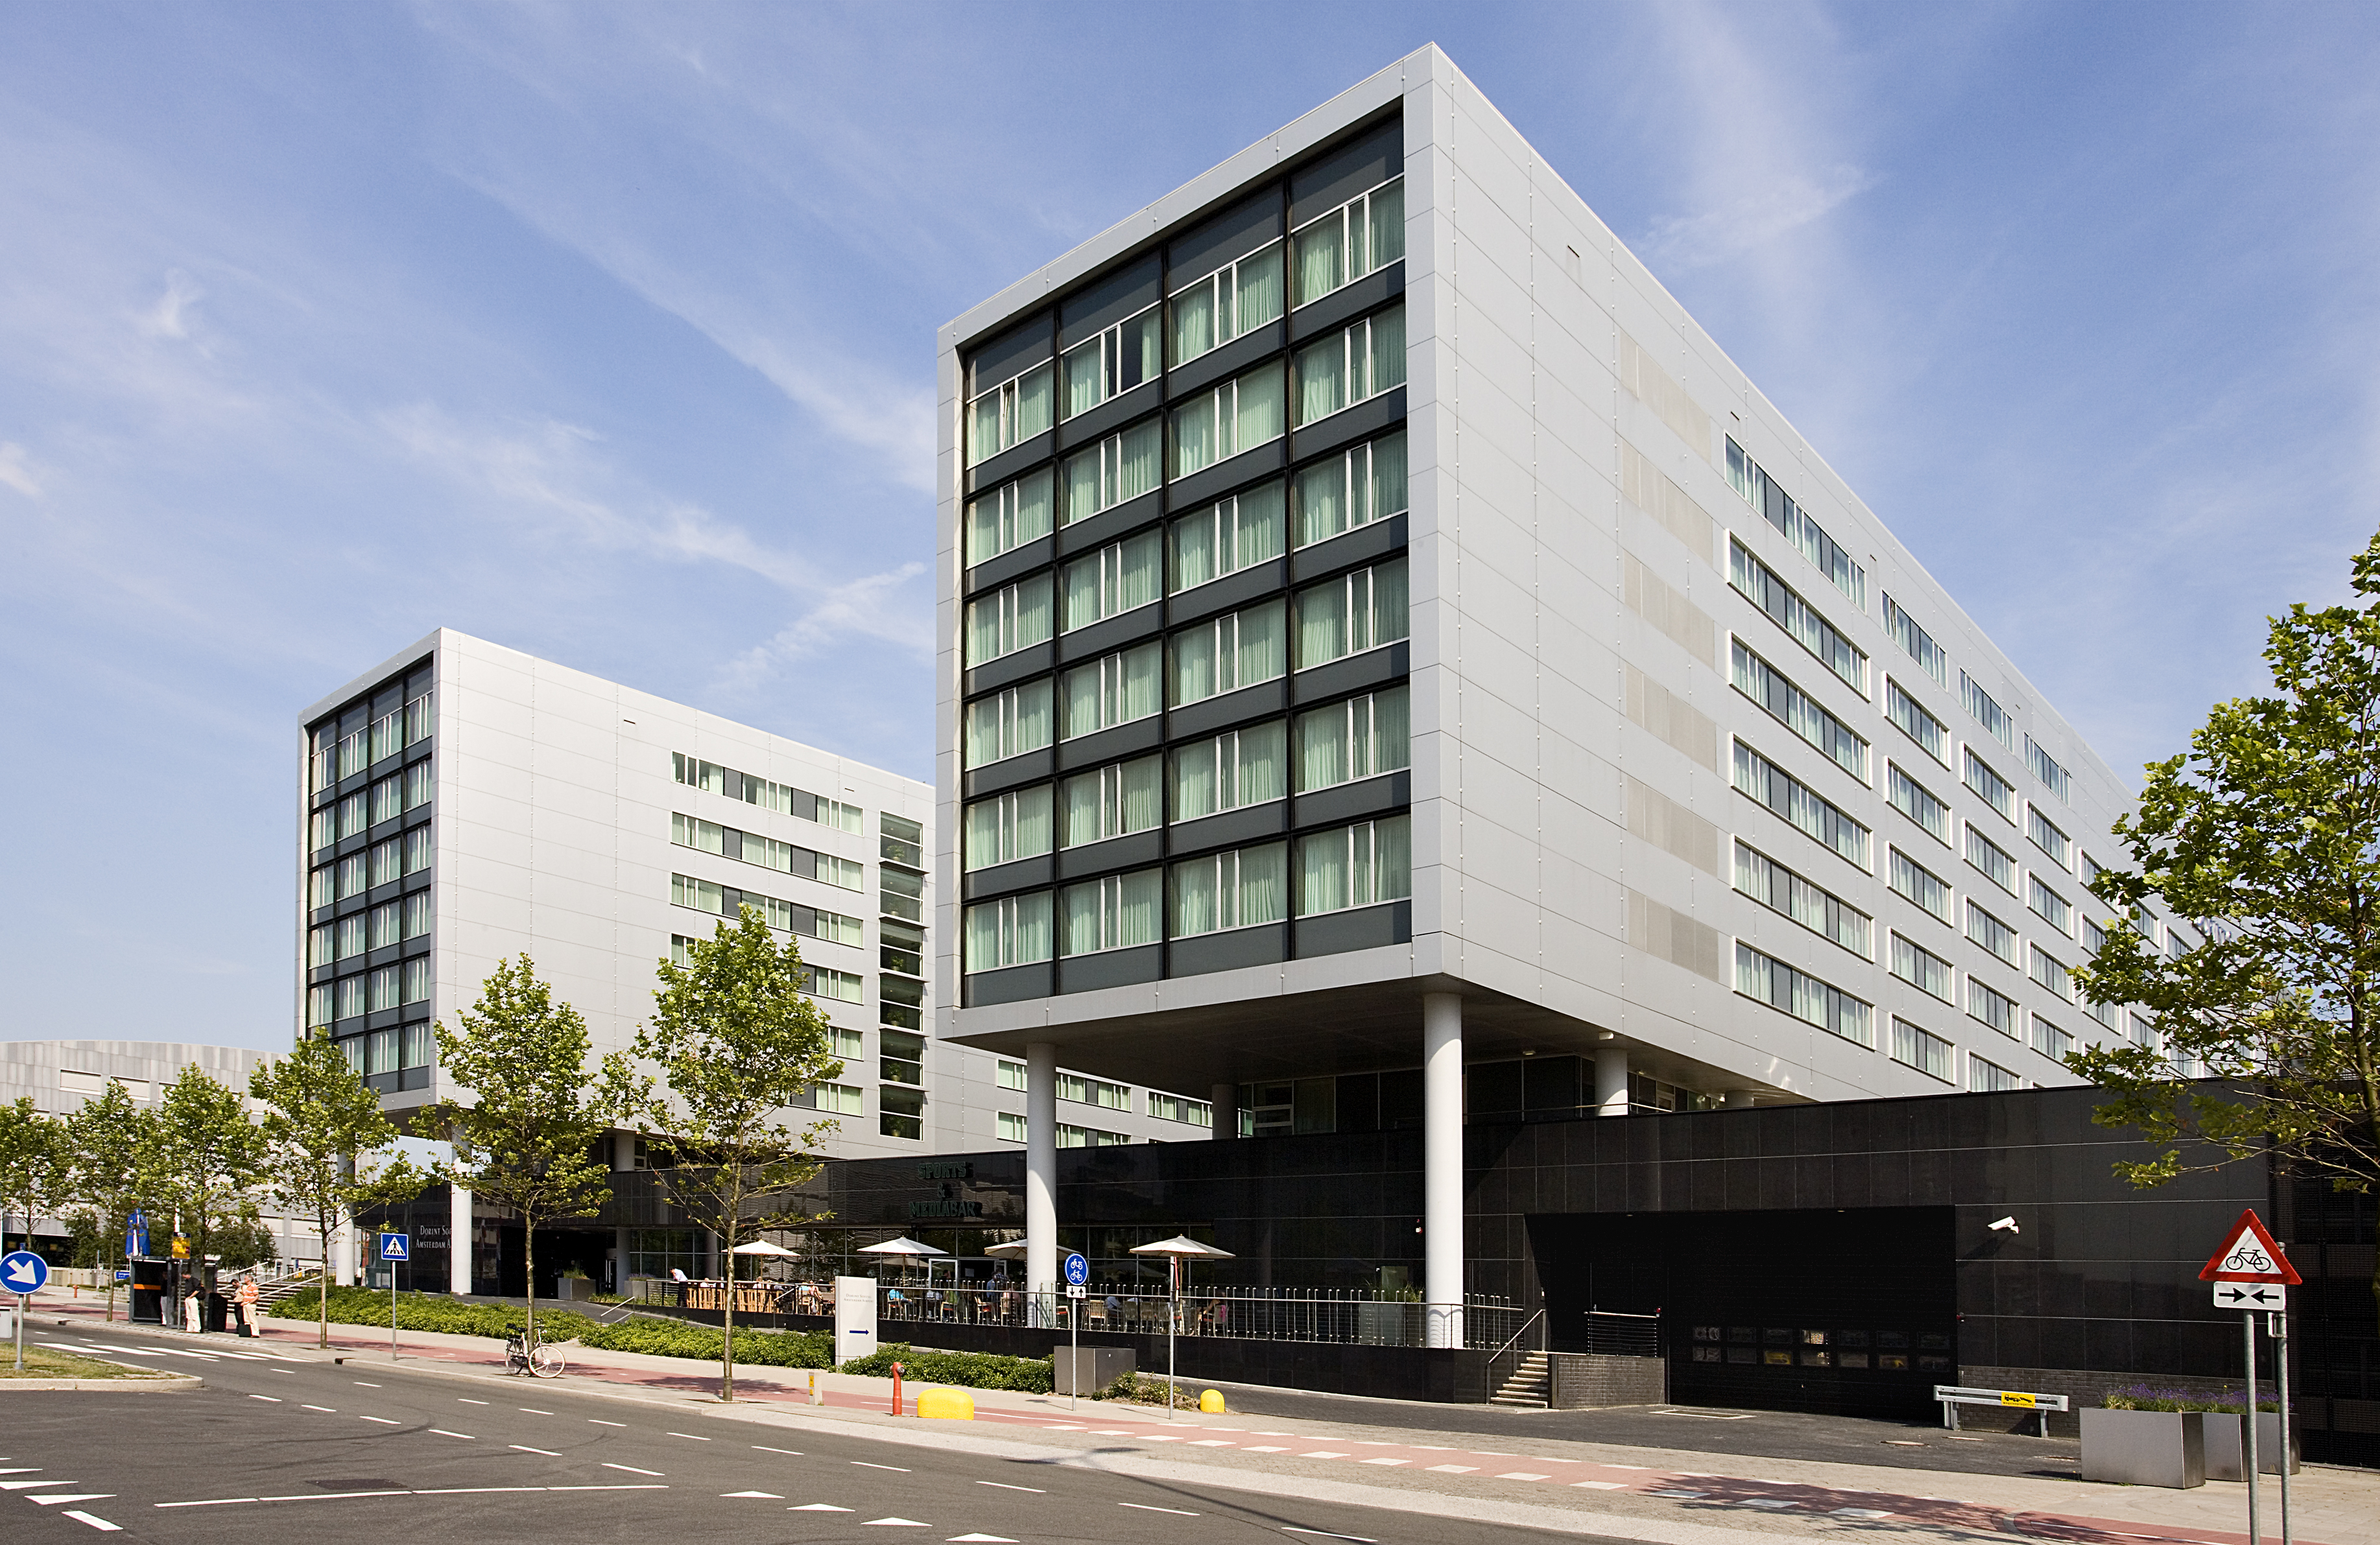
(2250, 1256)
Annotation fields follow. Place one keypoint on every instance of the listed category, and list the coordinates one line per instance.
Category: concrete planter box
(2145, 1448)
(2227, 1457)
(1583, 1380)
(572, 1290)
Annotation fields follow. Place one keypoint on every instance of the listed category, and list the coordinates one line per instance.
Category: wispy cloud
(15, 472)
(1749, 224)
(167, 318)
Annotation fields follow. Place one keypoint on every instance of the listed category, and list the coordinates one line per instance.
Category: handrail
(1516, 1336)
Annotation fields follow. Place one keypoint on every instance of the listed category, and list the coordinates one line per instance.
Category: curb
(169, 1383)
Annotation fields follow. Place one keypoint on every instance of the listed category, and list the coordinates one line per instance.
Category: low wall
(1588, 1379)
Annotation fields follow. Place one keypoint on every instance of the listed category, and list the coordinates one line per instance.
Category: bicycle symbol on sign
(2247, 1258)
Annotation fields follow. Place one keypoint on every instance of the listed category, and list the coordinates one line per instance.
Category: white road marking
(601, 1422)
(426, 1491)
(1267, 1448)
(1321, 1454)
(1454, 1469)
(1860, 1512)
(893, 1523)
(771, 1496)
(1379, 1461)
(385, 1421)
(1766, 1501)
(466, 1400)
(71, 1496)
(444, 1433)
(535, 1412)
(1325, 1534)
(630, 1468)
(1522, 1475)
(79, 1516)
(20, 1470)
(980, 1539)
(817, 1508)
(1005, 1487)
(903, 1468)
(1602, 1485)
(695, 1436)
(360, 1384)
(331, 1410)
(766, 1449)
(1213, 1443)
(1145, 1507)
(275, 1398)
(21, 1485)
(547, 1452)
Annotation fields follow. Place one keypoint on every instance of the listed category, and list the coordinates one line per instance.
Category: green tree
(36, 1166)
(737, 1041)
(324, 1132)
(2264, 838)
(115, 1162)
(209, 1154)
(527, 1139)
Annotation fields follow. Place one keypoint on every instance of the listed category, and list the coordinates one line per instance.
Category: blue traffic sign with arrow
(23, 1272)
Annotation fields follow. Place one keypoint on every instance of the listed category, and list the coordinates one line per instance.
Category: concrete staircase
(270, 1293)
(1530, 1384)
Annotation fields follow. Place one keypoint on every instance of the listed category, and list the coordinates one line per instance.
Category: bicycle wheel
(545, 1361)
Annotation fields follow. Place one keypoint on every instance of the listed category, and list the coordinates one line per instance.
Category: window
(1986, 710)
(900, 1113)
(417, 914)
(1360, 865)
(1923, 969)
(1364, 485)
(352, 931)
(1228, 536)
(1012, 1075)
(1010, 515)
(1122, 466)
(417, 786)
(836, 1099)
(1113, 801)
(2050, 1041)
(1120, 577)
(1916, 643)
(1996, 1009)
(2048, 905)
(1090, 1137)
(383, 989)
(1116, 689)
(1238, 767)
(320, 1005)
(1360, 737)
(1931, 734)
(2046, 768)
(322, 827)
(415, 985)
(351, 999)
(2047, 837)
(709, 837)
(387, 864)
(418, 849)
(1237, 649)
(1799, 804)
(1012, 617)
(844, 986)
(835, 928)
(849, 1046)
(1997, 791)
(1366, 233)
(1008, 827)
(1236, 889)
(1989, 1078)
(1175, 1107)
(1759, 584)
(1012, 1126)
(1111, 913)
(1232, 300)
(1992, 859)
(1012, 931)
(1240, 415)
(1353, 613)
(1094, 1092)
(1777, 507)
(2050, 971)
(1991, 932)
(416, 1044)
(1348, 367)
(1912, 1047)
(1805, 996)
(782, 798)
(1780, 889)
(388, 799)
(841, 816)
(1919, 884)
(1018, 409)
(1798, 712)
(1111, 364)
(846, 873)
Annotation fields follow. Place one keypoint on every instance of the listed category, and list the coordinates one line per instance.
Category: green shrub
(1142, 1389)
(430, 1312)
(979, 1370)
(671, 1338)
(2146, 1397)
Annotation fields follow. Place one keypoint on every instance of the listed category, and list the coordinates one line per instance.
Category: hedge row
(431, 1311)
(980, 1370)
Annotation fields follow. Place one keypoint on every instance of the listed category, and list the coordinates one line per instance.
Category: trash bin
(218, 1309)
(149, 1292)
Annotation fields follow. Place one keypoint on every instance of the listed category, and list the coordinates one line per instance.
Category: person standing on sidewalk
(247, 1296)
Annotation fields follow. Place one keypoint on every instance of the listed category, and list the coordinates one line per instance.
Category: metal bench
(1952, 1396)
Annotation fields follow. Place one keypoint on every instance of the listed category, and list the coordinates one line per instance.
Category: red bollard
(896, 1389)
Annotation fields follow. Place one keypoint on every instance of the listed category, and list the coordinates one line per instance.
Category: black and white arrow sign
(2249, 1295)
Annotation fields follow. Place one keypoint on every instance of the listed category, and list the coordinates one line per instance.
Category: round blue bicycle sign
(1079, 1270)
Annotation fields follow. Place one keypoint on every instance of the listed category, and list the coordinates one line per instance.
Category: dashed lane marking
(1150, 1507)
(72, 1497)
(327, 1410)
(1321, 1454)
(893, 1523)
(1006, 1487)
(385, 1421)
(1522, 1475)
(1385, 1461)
(980, 1539)
(817, 1507)
(598, 1421)
(1602, 1485)
(466, 1400)
(766, 1449)
(695, 1436)
(630, 1468)
(526, 1449)
(425, 1491)
(275, 1398)
(535, 1412)
(444, 1433)
(865, 1465)
(79, 1516)
(1455, 1469)
(771, 1496)
(21, 1485)
(1266, 1448)
(1325, 1534)
(361, 1385)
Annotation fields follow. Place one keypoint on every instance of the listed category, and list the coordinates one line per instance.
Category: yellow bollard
(949, 1405)
(1211, 1402)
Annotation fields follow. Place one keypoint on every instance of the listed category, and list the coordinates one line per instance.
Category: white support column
(1040, 1172)
(1225, 1100)
(1610, 1080)
(342, 1264)
(1441, 1142)
(459, 1239)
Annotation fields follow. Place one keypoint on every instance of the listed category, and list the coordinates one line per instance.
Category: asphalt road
(299, 1447)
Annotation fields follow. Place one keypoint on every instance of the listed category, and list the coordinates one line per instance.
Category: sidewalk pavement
(1670, 1496)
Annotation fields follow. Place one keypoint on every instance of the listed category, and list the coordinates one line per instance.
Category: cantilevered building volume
(1396, 670)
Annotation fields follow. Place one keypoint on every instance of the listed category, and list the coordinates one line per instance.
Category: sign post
(22, 1272)
(1078, 1273)
(394, 1248)
(2250, 1274)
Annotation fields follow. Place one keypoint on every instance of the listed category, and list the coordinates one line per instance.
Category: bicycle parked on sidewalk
(535, 1357)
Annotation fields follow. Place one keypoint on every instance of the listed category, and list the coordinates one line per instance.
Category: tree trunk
(727, 1320)
(322, 1295)
(529, 1262)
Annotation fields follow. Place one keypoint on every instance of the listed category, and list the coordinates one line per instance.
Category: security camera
(2008, 1224)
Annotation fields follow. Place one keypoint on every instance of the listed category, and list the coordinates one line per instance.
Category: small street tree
(36, 1168)
(323, 1131)
(737, 1041)
(114, 1164)
(209, 1154)
(2264, 838)
(527, 1139)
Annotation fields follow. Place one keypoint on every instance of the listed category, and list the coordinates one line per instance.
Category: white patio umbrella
(906, 1249)
(760, 1247)
(1008, 1249)
(1176, 1251)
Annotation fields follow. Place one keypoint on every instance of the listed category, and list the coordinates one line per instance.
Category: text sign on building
(2251, 1255)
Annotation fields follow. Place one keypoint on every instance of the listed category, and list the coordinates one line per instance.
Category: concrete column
(623, 1151)
(1741, 1099)
(1442, 1189)
(459, 1239)
(620, 1258)
(710, 1254)
(1040, 1170)
(1610, 1080)
(342, 1264)
(1225, 1098)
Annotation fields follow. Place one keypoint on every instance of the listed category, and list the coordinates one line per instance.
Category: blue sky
(605, 332)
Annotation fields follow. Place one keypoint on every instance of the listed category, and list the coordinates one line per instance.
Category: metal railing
(1506, 1360)
(1354, 1317)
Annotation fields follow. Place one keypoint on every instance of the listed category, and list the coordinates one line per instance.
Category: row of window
(1323, 255)
(1346, 616)
(407, 853)
(1980, 704)
(1814, 1001)
(1358, 865)
(786, 917)
(391, 922)
(391, 1051)
(1112, 1096)
(782, 798)
(709, 837)
(1357, 739)
(368, 992)
(359, 812)
(333, 756)
(1011, 1128)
